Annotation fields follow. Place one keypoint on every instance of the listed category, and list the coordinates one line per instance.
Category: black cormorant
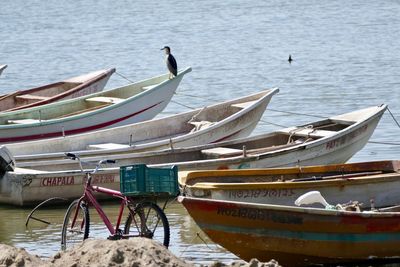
(290, 59)
(170, 60)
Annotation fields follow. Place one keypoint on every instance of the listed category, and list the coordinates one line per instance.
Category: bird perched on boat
(290, 59)
(171, 62)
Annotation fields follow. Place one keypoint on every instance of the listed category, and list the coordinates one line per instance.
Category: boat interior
(100, 100)
(282, 139)
(295, 174)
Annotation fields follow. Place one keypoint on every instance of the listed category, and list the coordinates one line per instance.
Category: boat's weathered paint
(265, 150)
(294, 235)
(25, 186)
(363, 182)
(67, 89)
(231, 119)
(28, 187)
(91, 112)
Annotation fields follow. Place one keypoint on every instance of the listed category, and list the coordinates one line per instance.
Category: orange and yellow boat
(370, 183)
(296, 236)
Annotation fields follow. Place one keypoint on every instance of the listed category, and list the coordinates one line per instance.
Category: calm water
(345, 57)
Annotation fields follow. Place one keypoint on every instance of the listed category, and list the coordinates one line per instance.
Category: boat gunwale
(293, 209)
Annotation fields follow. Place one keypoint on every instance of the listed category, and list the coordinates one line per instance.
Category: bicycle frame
(91, 199)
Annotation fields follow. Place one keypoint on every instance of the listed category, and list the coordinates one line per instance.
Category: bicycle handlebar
(76, 157)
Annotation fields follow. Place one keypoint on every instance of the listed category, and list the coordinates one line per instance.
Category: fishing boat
(2, 67)
(370, 183)
(309, 144)
(115, 107)
(67, 89)
(223, 121)
(298, 236)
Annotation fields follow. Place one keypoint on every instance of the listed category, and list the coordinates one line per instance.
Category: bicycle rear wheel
(75, 231)
(148, 220)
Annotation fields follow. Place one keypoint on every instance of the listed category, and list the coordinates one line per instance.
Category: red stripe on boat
(75, 131)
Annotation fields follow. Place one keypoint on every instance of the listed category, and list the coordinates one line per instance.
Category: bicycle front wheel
(148, 220)
(75, 228)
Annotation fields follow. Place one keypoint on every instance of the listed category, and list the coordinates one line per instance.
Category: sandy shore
(134, 252)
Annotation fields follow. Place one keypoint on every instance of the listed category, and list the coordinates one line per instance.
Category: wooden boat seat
(24, 121)
(220, 151)
(28, 97)
(244, 104)
(308, 132)
(149, 87)
(104, 99)
(107, 146)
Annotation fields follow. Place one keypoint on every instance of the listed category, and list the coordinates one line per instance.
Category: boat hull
(296, 236)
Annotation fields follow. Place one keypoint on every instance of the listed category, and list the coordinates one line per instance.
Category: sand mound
(11, 256)
(134, 252)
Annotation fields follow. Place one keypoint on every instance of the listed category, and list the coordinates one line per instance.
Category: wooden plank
(219, 151)
(107, 146)
(24, 121)
(105, 99)
(31, 97)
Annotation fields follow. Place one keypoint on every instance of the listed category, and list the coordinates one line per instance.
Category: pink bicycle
(145, 218)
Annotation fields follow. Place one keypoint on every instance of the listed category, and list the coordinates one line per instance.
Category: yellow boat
(366, 182)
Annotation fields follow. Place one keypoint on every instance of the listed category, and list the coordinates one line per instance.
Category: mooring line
(197, 236)
(275, 124)
(296, 113)
(123, 77)
(393, 117)
(186, 106)
(384, 143)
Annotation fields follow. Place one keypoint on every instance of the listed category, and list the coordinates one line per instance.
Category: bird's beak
(162, 48)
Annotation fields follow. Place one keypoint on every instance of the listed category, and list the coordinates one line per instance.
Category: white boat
(26, 186)
(120, 106)
(2, 67)
(310, 144)
(224, 121)
(81, 85)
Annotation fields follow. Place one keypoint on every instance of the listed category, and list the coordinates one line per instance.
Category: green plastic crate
(139, 180)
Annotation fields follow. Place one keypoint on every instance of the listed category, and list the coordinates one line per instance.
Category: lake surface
(346, 56)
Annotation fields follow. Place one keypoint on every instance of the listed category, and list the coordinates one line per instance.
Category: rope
(191, 242)
(182, 104)
(123, 77)
(295, 113)
(204, 98)
(275, 124)
(393, 117)
(384, 143)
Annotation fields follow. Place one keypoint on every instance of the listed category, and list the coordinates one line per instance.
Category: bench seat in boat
(104, 99)
(31, 97)
(24, 121)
